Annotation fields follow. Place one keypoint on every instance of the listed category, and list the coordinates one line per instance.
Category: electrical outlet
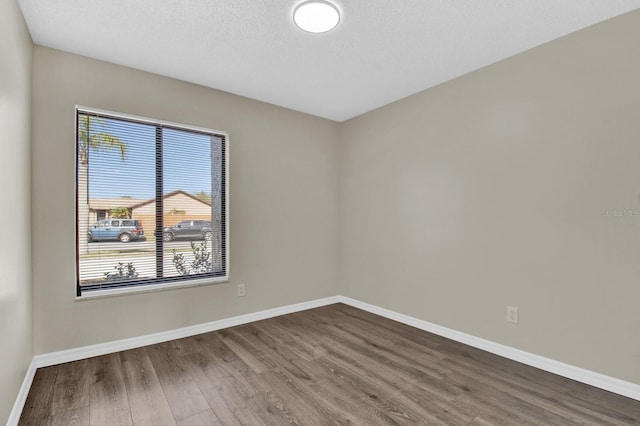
(512, 314)
(241, 290)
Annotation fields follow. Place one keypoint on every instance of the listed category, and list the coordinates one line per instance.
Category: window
(151, 203)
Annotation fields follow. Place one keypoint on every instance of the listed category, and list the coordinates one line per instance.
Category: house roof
(133, 203)
(171, 194)
(112, 203)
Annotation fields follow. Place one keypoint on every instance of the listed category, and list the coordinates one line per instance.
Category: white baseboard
(53, 358)
(592, 378)
(582, 375)
(14, 416)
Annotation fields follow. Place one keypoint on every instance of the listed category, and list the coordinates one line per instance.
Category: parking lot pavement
(94, 267)
(103, 257)
(149, 245)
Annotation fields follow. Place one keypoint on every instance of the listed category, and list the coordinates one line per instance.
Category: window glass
(163, 186)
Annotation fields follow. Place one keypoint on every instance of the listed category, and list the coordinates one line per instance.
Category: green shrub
(201, 263)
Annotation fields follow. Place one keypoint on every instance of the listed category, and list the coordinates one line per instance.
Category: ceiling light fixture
(316, 16)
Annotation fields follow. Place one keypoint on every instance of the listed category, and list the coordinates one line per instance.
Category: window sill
(114, 292)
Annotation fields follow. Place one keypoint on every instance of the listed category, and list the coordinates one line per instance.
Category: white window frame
(186, 282)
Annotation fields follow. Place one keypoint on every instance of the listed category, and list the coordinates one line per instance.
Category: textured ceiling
(383, 50)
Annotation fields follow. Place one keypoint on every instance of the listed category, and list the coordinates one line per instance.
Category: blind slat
(151, 204)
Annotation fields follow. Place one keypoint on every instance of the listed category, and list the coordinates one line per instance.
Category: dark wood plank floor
(330, 365)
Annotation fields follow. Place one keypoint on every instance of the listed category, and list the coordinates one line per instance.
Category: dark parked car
(124, 230)
(188, 229)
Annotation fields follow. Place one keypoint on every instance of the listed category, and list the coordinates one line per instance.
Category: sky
(186, 162)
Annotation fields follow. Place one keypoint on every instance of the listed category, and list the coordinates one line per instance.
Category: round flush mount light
(316, 16)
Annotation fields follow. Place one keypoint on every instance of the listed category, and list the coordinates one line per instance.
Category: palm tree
(91, 137)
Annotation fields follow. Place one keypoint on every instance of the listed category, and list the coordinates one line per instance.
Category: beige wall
(490, 190)
(283, 177)
(15, 249)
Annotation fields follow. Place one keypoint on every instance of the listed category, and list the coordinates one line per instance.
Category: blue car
(123, 230)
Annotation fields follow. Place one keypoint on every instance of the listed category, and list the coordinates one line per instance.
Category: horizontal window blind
(151, 202)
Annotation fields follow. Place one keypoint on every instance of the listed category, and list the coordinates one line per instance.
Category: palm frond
(90, 139)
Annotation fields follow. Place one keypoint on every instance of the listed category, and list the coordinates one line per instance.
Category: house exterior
(178, 205)
(100, 208)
